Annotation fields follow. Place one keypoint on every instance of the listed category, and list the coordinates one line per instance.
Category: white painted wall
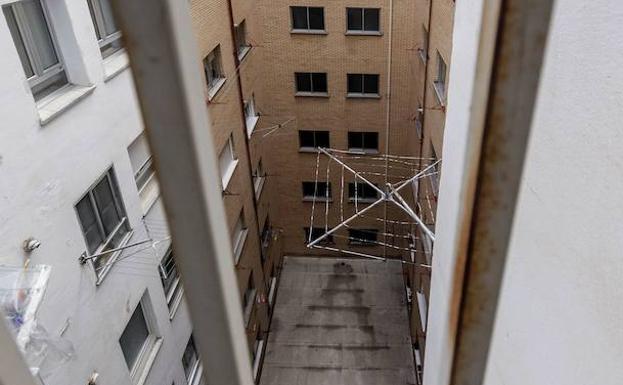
(44, 170)
(559, 318)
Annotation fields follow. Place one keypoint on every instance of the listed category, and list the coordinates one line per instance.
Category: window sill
(272, 291)
(259, 353)
(363, 33)
(251, 123)
(243, 53)
(362, 151)
(318, 199)
(61, 100)
(212, 91)
(229, 174)
(312, 94)
(309, 150)
(440, 93)
(362, 96)
(259, 187)
(115, 64)
(308, 32)
(240, 246)
(149, 362)
(175, 303)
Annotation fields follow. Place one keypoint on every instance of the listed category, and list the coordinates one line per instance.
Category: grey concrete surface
(339, 322)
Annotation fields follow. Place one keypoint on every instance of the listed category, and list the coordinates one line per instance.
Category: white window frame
(249, 297)
(259, 178)
(214, 60)
(250, 114)
(99, 23)
(423, 51)
(151, 345)
(196, 372)
(149, 190)
(227, 174)
(242, 47)
(439, 83)
(239, 237)
(176, 291)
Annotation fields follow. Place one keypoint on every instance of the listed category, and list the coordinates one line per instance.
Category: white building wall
(559, 316)
(44, 171)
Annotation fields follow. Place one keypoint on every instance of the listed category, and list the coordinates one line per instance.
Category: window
(319, 191)
(434, 173)
(250, 115)
(170, 278)
(363, 191)
(239, 236)
(311, 140)
(139, 339)
(213, 67)
(363, 142)
(144, 172)
(363, 85)
(440, 79)
(306, 19)
(191, 362)
(316, 233)
(107, 32)
(266, 238)
(424, 49)
(242, 47)
(256, 354)
(419, 121)
(103, 221)
(248, 299)
(362, 20)
(36, 46)
(227, 161)
(311, 83)
(362, 237)
(259, 177)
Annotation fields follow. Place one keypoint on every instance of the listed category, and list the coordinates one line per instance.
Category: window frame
(363, 93)
(361, 186)
(239, 236)
(111, 179)
(352, 241)
(42, 78)
(311, 92)
(240, 34)
(363, 149)
(214, 84)
(423, 50)
(259, 178)
(99, 23)
(328, 240)
(363, 30)
(440, 80)
(321, 186)
(227, 175)
(248, 299)
(196, 369)
(175, 292)
(250, 114)
(307, 30)
(314, 134)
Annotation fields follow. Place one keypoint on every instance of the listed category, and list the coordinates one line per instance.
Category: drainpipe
(388, 114)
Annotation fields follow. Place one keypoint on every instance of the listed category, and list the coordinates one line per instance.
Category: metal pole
(353, 171)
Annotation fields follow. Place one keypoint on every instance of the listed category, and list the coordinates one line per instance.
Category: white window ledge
(115, 64)
(249, 308)
(243, 52)
(229, 174)
(259, 186)
(310, 150)
(175, 303)
(308, 32)
(240, 246)
(149, 362)
(251, 123)
(61, 100)
(216, 88)
(258, 359)
(312, 94)
(364, 33)
(440, 93)
(318, 199)
(363, 151)
(149, 194)
(362, 96)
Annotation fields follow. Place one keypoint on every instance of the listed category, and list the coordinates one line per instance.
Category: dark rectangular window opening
(311, 82)
(320, 191)
(363, 141)
(363, 19)
(307, 18)
(367, 84)
(362, 237)
(313, 139)
(316, 233)
(363, 192)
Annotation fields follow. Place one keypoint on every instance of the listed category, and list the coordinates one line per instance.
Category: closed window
(311, 82)
(363, 84)
(362, 191)
(440, 79)
(170, 278)
(107, 32)
(242, 47)
(239, 236)
(316, 233)
(103, 220)
(227, 161)
(362, 237)
(213, 67)
(266, 238)
(36, 46)
(363, 141)
(307, 18)
(424, 49)
(319, 191)
(433, 173)
(250, 114)
(313, 139)
(248, 299)
(259, 177)
(144, 171)
(191, 362)
(362, 19)
(139, 338)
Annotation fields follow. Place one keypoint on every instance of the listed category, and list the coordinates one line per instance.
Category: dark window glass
(190, 358)
(316, 18)
(371, 19)
(168, 273)
(303, 82)
(362, 236)
(371, 140)
(106, 204)
(322, 139)
(90, 228)
(371, 84)
(299, 18)
(318, 232)
(354, 19)
(134, 337)
(363, 140)
(313, 139)
(355, 140)
(319, 82)
(355, 83)
(309, 189)
(364, 191)
(18, 40)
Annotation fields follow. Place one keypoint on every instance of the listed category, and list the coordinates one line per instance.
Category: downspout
(388, 115)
